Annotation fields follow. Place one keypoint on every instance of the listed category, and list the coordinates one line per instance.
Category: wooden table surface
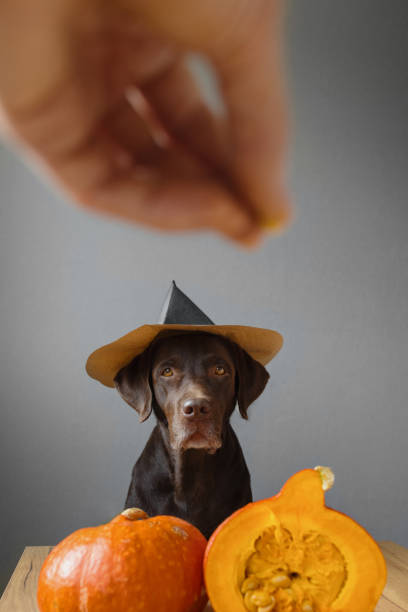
(20, 593)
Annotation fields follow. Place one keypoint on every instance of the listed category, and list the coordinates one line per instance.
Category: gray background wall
(336, 286)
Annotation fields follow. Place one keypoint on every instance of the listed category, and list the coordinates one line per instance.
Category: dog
(192, 466)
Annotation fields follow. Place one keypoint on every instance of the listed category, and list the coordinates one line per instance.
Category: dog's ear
(251, 379)
(133, 384)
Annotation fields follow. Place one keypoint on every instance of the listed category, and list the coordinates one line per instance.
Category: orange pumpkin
(131, 564)
(291, 553)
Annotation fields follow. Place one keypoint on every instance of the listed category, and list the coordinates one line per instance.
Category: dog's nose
(196, 407)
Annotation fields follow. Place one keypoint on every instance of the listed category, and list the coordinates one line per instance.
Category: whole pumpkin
(291, 553)
(131, 564)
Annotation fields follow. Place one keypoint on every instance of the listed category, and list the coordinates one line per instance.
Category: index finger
(249, 64)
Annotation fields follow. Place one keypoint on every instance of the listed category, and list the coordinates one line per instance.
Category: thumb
(250, 72)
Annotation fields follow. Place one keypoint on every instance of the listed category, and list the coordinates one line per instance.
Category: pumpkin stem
(134, 514)
(326, 475)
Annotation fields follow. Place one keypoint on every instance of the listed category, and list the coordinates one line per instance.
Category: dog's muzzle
(197, 426)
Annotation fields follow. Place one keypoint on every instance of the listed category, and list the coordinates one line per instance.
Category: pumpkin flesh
(291, 553)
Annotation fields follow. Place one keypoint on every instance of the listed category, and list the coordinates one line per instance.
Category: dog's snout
(196, 407)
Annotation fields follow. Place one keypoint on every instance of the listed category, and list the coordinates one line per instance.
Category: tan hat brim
(104, 363)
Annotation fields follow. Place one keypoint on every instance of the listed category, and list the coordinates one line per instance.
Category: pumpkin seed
(249, 604)
(281, 580)
(249, 584)
(268, 608)
(261, 598)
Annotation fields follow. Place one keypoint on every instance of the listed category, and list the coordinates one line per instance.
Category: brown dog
(192, 466)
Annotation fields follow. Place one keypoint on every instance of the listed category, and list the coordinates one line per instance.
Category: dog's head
(192, 381)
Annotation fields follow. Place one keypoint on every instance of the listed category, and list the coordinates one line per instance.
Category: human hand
(100, 95)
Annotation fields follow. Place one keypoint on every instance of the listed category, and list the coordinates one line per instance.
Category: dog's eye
(219, 370)
(167, 372)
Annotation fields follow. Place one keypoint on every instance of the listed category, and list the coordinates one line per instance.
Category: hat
(178, 313)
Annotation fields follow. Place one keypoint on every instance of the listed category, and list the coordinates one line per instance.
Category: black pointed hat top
(178, 313)
(180, 310)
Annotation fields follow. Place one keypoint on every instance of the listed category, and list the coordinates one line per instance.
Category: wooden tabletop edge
(20, 593)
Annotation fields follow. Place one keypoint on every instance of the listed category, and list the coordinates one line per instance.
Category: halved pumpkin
(291, 553)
